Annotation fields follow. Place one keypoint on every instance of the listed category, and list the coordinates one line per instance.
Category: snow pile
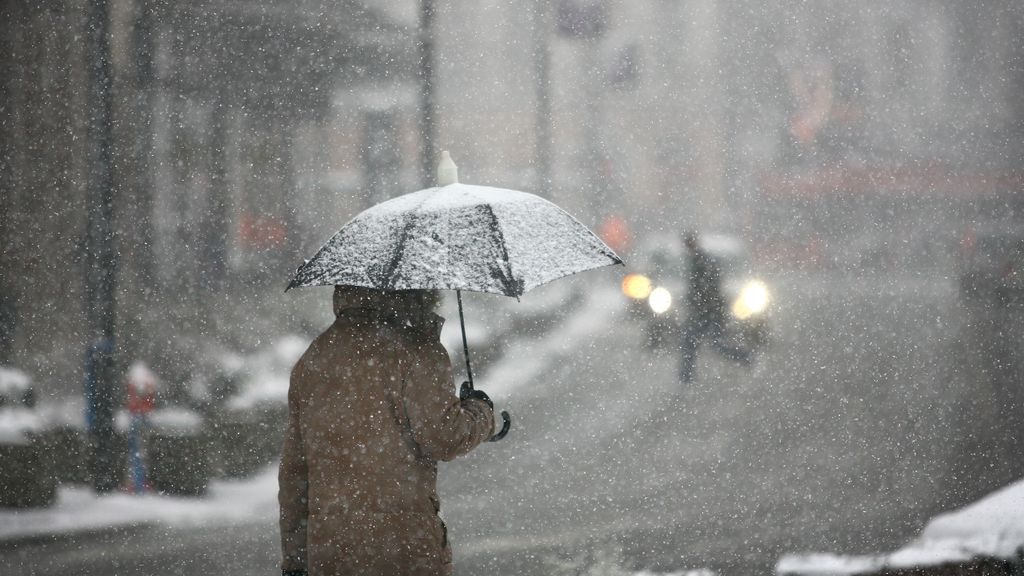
(827, 564)
(993, 527)
(66, 412)
(687, 573)
(167, 420)
(176, 421)
(522, 365)
(266, 375)
(17, 422)
(13, 382)
(79, 509)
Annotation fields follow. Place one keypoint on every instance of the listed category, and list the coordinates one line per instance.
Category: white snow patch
(170, 420)
(266, 389)
(176, 421)
(13, 382)
(17, 423)
(268, 373)
(68, 412)
(991, 527)
(79, 509)
(686, 573)
(927, 553)
(141, 378)
(524, 360)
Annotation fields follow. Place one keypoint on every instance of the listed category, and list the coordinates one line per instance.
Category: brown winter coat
(371, 410)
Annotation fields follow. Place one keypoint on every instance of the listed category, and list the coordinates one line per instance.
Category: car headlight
(752, 300)
(660, 300)
(636, 286)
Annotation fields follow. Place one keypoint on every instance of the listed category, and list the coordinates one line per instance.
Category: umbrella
(457, 237)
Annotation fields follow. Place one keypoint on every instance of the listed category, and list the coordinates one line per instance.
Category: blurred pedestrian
(705, 310)
(372, 410)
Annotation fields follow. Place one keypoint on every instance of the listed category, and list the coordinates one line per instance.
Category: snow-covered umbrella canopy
(457, 237)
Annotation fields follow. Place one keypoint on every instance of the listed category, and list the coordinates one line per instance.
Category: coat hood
(409, 308)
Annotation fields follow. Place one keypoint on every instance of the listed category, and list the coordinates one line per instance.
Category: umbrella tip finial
(447, 171)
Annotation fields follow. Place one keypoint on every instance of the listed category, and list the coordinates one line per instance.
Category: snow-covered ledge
(992, 527)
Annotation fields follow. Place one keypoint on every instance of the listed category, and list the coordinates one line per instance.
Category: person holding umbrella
(371, 412)
(371, 403)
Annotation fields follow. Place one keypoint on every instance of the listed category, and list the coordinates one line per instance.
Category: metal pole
(145, 66)
(428, 134)
(101, 256)
(8, 314)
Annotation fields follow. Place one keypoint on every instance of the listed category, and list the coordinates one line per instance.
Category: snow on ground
(16, 420)
(523, 362)
(993, 526)
(13, 382)
(266, 373)
(826, 564)
(78, 509)
(990, 527)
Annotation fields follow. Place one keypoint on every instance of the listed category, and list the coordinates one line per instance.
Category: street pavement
(865, 418)
(870, 412)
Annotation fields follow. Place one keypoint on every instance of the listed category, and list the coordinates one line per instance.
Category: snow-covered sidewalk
(79, 509)
(992, 527)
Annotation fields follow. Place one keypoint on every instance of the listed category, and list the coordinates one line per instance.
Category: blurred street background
(612, 467)
(164, 167)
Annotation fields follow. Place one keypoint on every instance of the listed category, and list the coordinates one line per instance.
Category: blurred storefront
(227, 118)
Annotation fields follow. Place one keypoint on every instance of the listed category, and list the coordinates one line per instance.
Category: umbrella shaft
(465, 343)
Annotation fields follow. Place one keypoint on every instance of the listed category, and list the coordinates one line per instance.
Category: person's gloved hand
(468, 391)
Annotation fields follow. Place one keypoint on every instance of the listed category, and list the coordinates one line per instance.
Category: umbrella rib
(512, 286)
(387, 279)
(387, 274)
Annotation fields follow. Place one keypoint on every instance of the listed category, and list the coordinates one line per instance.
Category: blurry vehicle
(25, 478)
(657, 283)
(991, 266)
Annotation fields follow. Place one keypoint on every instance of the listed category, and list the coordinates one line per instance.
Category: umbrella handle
(505, 425)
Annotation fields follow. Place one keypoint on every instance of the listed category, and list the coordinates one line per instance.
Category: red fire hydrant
(142, 387)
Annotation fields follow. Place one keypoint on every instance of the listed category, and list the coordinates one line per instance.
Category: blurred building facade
(670, 113)
(242, 134)
(246, 133)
